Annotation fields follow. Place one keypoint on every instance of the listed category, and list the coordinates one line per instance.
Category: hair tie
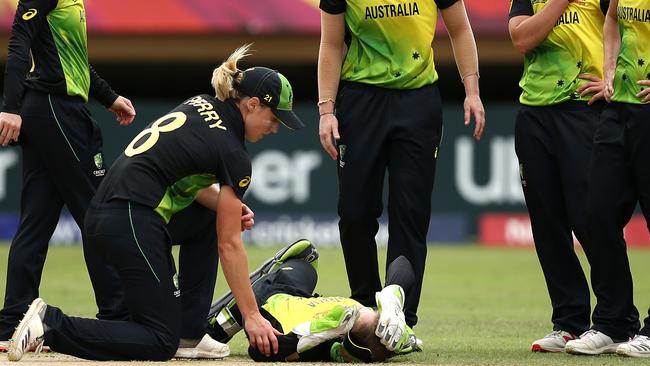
(235, 78)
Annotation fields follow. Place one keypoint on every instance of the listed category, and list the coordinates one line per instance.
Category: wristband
(323, 101)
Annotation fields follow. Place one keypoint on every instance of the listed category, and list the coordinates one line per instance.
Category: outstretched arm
(234, 263)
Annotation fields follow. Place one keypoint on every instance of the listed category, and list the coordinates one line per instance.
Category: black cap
(353, 352)
(274, 90)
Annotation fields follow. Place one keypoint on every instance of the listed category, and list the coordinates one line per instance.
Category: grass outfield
(479, 306)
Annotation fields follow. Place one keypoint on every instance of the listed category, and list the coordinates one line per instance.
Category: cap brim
(355, 353)
(289, 119)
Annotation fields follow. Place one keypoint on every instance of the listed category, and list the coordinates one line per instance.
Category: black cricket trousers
(59, 141)
(398, 131)
(619, 178)
(135, 241)
(553, 144)
(194, 230)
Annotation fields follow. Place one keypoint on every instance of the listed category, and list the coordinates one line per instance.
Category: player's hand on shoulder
(9, 127)
(123, 109)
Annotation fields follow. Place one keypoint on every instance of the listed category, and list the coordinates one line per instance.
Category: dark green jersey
(389, 41)
(198, 143)
(573, 47)
(48, 52)
(633, 62)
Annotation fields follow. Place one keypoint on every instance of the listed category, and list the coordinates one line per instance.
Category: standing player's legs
(536, 145)
(135, 241)
(415, 119)
(400, 272)
(77, 171)
(194, 229)
(638, 147)
(362, 112)
(611, 201)
(40, 206)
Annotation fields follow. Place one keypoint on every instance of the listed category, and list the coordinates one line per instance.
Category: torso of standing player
(60, 62)
(573, 47)
(389, 42)
(633, 63)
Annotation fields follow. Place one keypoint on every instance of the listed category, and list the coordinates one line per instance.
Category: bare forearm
(234, 263)
(329, 70)
(466, 57)
(612, 42)
(532, 31)
(330, 57)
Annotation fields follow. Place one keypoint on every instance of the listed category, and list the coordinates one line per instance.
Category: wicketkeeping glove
(335, 324)
(391, 326)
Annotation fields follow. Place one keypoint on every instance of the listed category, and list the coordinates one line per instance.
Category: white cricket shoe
(4, 348)
(552, 342)
(207, 348)
(591, 342)
(638, 347)
(29, 333)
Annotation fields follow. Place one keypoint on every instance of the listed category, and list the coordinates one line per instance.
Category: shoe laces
(555, 334)
(590, 333)
(639, 338)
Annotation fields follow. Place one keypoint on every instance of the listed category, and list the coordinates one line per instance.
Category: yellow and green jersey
(389, 41)
(633, 62)
(573, 47)
(48, 52)
(291, 310)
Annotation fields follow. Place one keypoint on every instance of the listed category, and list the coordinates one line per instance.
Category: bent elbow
(522, 46)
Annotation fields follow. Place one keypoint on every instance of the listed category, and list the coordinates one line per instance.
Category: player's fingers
(479, 117)
(327, 144)
(3, 136)
(331, 148)
(590, 90)
(643, 93)
(589, 77)
(466, 115)
(264, 341)
(7, 134)
(584, 86)
(16, 134)
(644, 82)
(646, 99)
(335, 131)
(274, 341)
(595, 97)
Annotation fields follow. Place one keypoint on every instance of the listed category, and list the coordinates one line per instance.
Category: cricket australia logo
(342, 149)
(99, 163)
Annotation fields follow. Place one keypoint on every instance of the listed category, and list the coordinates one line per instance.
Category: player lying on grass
(320, 328)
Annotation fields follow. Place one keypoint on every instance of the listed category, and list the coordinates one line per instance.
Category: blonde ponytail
(225, 76)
